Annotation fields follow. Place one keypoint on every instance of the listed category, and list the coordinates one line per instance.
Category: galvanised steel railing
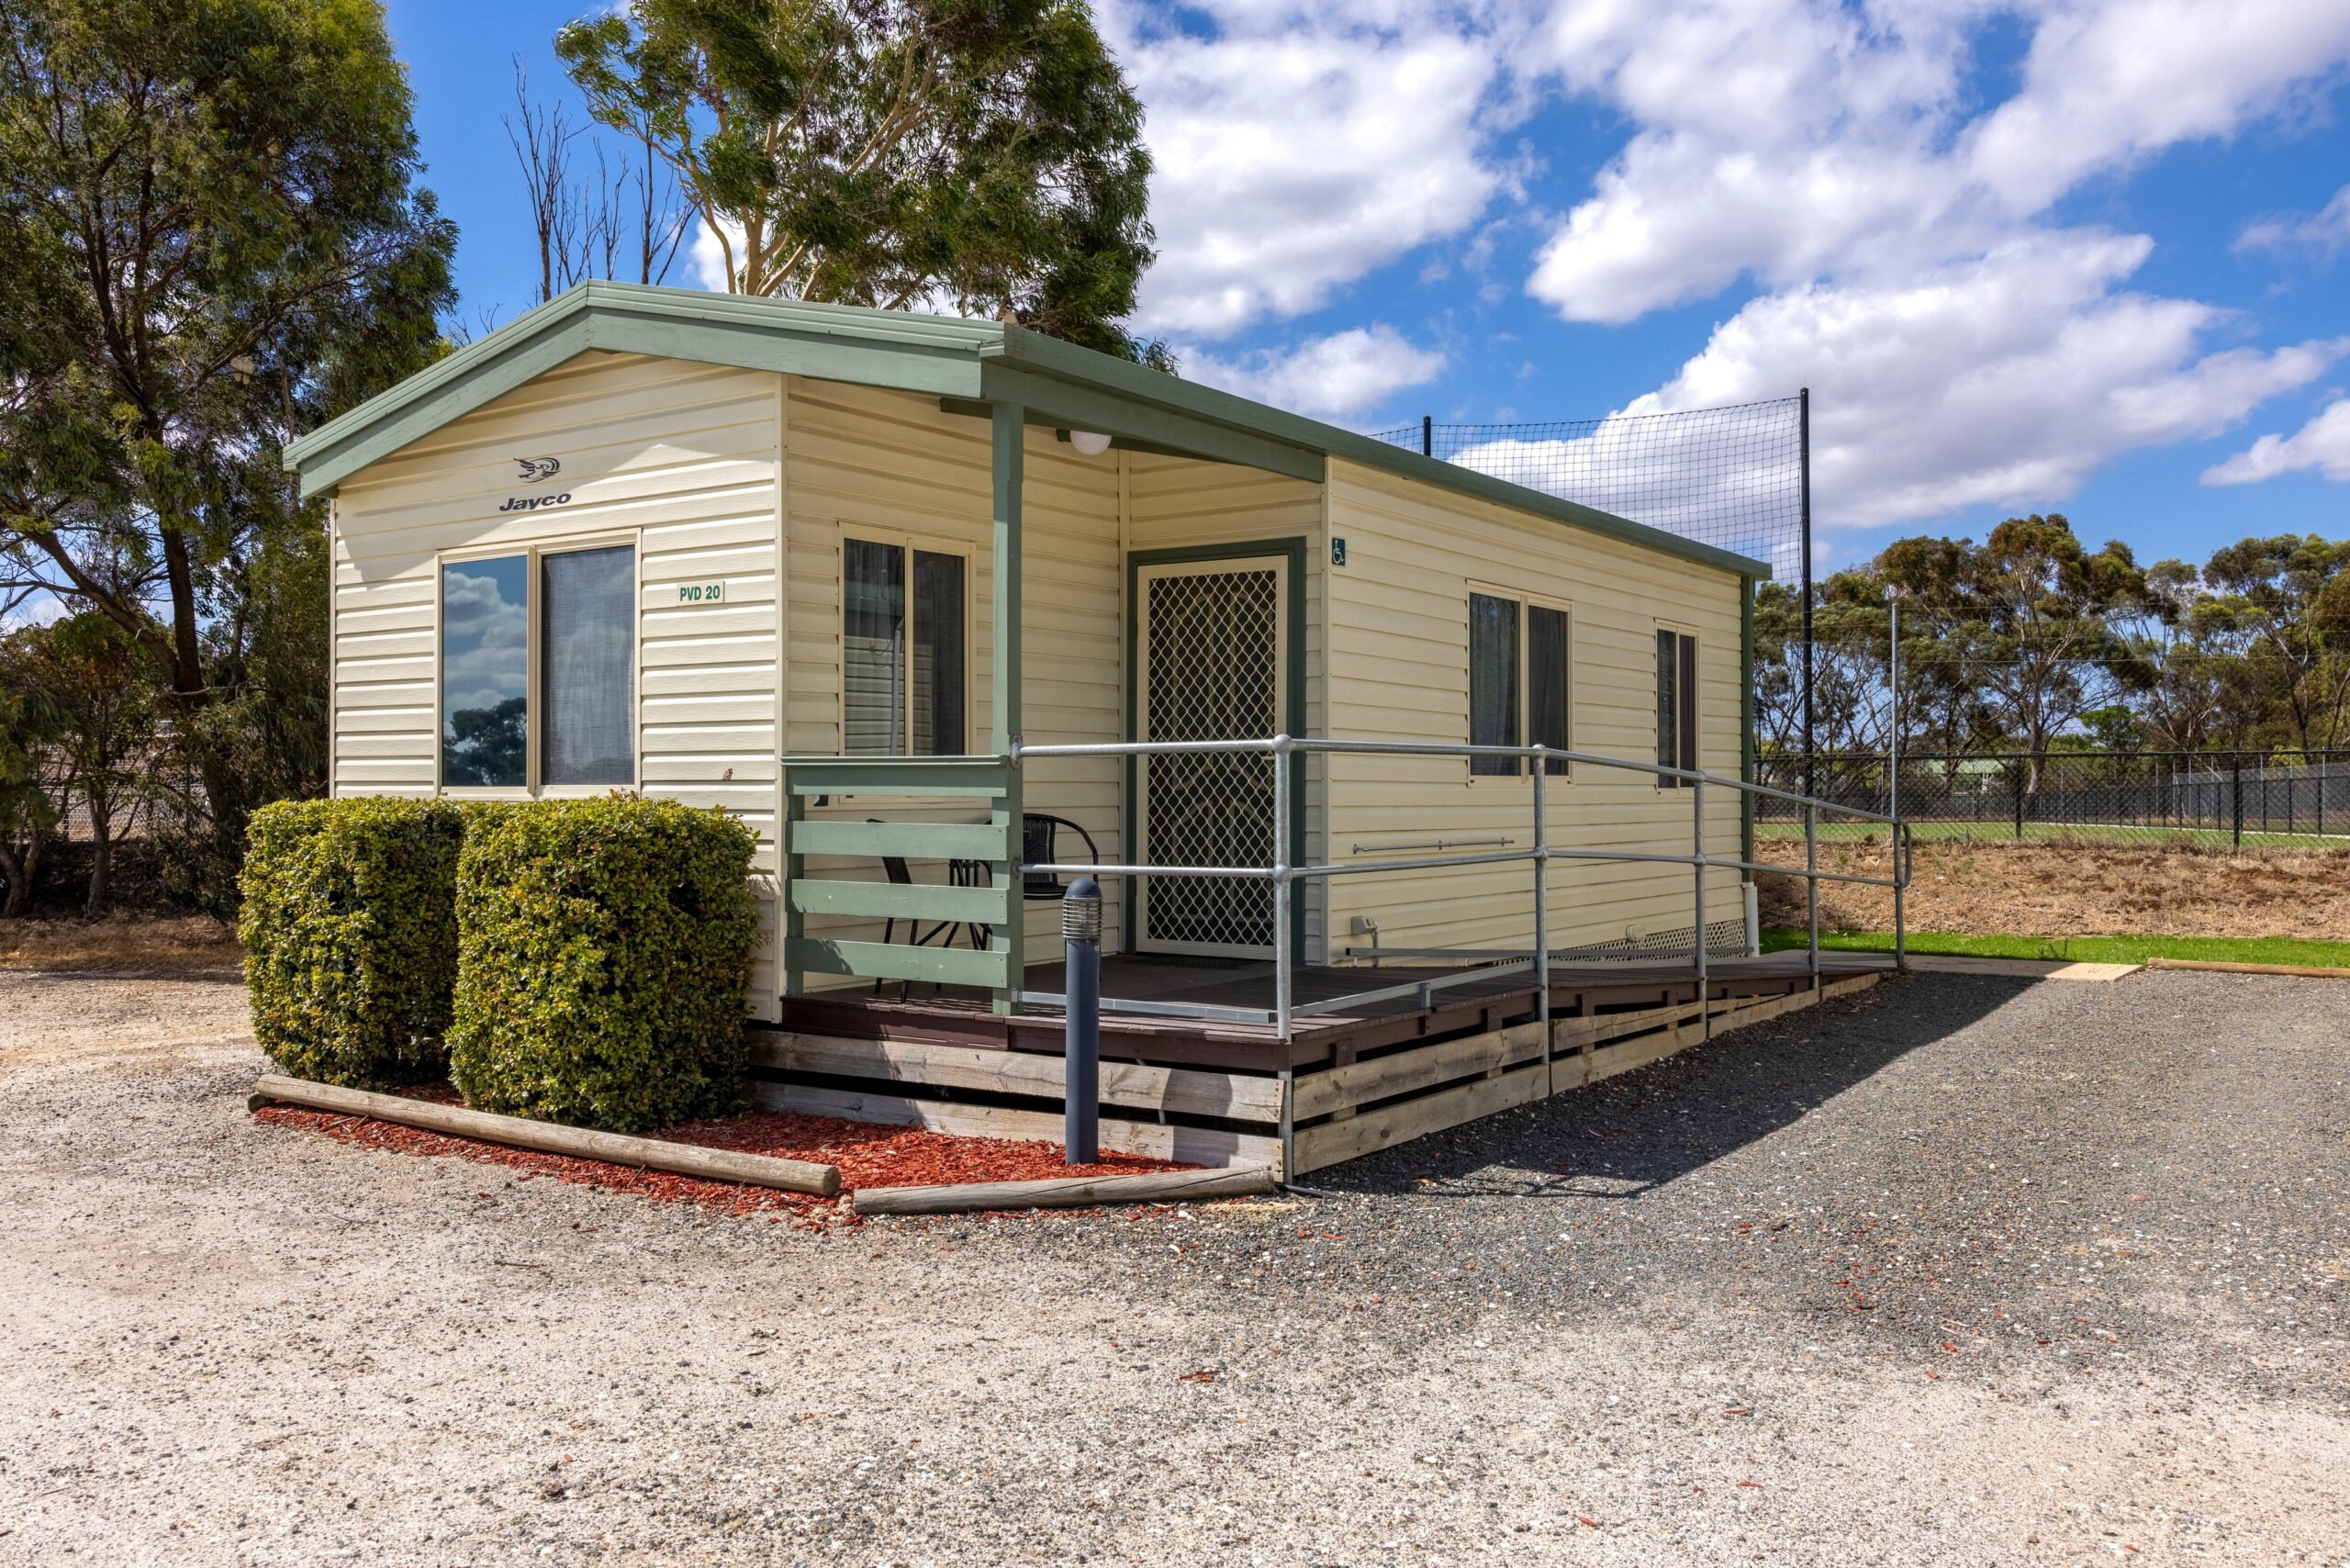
(1281, 874)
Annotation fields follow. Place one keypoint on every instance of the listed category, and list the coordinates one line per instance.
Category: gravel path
(1964, 1270)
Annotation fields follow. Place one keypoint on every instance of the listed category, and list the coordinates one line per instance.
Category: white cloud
(2109, 83)
(1997, 382)
(2325, 232)
(1328, 378)
(1798, 138)
(1299, 147)
(1962, 348)
(2323, 445)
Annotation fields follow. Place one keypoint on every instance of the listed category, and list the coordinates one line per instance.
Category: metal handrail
(1281, 873)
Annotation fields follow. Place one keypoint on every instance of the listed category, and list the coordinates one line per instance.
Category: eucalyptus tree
(214, 240)
(2286, 599)
(978, 156)
(2052, 651)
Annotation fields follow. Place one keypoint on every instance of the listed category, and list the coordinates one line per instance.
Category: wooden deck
(1216, 1093)
(960, 1016)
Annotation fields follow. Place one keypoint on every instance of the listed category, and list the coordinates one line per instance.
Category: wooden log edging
(550, 1137)
(1068, 1191)
(1152, 1140)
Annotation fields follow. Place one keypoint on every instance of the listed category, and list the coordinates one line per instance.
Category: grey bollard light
(1082, 1016)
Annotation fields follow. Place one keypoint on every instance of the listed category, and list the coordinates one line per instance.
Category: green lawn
(1996, 831)
(2078, 949)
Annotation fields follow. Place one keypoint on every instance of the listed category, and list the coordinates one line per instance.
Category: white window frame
(534, 787)
(908, 543)
(1524, 602)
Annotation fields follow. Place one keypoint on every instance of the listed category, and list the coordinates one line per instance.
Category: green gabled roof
(983, 362)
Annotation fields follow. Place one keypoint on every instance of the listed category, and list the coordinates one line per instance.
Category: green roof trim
(961, 361)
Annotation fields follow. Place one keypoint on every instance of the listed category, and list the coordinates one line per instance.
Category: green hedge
(605, 950)
(350, 930)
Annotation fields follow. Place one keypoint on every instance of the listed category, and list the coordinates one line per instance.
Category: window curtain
(587, 644)
(1493, 680)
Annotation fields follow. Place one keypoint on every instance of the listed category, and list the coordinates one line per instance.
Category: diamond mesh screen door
(1211, 639)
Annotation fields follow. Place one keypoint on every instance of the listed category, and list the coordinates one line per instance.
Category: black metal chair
(1039, 845)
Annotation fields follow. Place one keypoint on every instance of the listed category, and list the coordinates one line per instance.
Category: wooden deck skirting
(1228, 1118)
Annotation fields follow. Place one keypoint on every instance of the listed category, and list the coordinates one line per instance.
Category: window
(1508, 636)
(1677, 702)
(903, 687)
(518, 712)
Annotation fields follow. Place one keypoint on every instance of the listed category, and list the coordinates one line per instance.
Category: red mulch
(867, 1154)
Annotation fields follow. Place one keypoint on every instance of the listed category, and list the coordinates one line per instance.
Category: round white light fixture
(1092, 443)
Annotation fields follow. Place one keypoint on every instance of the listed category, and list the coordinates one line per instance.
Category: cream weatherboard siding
(1175, 503)
(866, 463)
(1399, 666)
(679, 458)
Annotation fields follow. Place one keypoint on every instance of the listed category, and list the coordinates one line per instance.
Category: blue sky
(2089, 257)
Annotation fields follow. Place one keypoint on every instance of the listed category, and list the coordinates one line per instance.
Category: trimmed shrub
(349, 929)
(604, 950)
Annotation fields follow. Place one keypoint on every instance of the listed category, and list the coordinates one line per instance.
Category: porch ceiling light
(1092, 444)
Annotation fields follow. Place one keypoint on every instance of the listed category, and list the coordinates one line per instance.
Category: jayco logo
(535, 469)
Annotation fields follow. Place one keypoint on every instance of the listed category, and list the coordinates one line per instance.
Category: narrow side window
(1676, 703)
(873, 649)
(939, 686)
(1493, 681)
(1687, 705)
(1547, 681)
(486, 672)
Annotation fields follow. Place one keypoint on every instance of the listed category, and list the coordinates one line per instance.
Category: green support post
(1009, 429)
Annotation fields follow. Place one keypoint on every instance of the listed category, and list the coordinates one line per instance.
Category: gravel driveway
(1962, 1271)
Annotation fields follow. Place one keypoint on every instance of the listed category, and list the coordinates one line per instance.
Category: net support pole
(1811, 881)
(1893, 791)
(1803, 430)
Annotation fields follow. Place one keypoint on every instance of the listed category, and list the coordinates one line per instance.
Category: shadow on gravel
(1617, 1139)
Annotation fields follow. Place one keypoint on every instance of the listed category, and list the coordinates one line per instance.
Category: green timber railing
(941, 785)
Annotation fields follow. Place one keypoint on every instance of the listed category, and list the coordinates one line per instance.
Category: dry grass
(188, 945)
(2038, 890)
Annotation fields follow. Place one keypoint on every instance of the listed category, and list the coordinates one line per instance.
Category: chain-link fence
(2118, 796)
(1731, 476)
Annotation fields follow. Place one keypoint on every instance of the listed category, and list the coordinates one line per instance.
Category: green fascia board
(941, 356)
(1084, 406)
(830, 342)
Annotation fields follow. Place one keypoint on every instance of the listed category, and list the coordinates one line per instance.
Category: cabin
(953, 613)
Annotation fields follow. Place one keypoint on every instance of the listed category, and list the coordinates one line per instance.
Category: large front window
(538, 670)
(904, 690)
